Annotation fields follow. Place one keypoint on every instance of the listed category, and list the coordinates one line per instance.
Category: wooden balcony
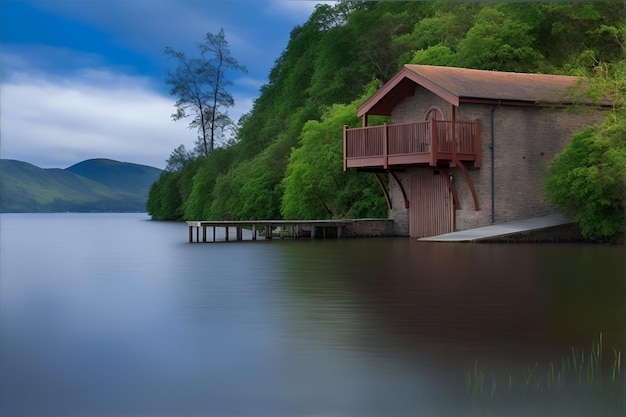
(430, 142)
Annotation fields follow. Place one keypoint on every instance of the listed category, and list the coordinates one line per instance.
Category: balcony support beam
(470, 183)
(455, 197)
(395, 177)
(382, 186)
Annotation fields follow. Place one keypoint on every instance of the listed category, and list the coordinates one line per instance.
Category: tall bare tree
(200, 86)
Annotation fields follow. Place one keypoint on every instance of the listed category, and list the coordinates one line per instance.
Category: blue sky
(84, 79)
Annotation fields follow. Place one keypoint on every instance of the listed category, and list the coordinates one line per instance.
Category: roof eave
(527, 103)
(370, 103)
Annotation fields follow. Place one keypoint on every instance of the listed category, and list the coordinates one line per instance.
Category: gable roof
(459, 85)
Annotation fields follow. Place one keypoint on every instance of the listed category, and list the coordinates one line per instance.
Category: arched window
(434, 113)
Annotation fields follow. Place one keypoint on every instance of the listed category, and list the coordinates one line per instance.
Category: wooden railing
(412, 143)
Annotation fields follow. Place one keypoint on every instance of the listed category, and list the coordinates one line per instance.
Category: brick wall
(369, 228)
(526, 139)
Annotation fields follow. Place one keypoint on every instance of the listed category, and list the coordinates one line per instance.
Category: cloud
(61, 106)
(48, 59)
(55, 122)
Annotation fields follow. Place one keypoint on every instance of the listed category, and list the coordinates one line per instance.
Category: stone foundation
(369, 228)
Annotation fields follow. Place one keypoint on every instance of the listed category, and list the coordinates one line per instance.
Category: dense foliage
(287, 159)
(315, 185)
(587, 179)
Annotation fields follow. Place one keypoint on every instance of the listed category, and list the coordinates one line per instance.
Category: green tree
(498, 41)
(439, 32)
(179, 158)
(200, 83)
(169, 193)
(202, 193)
(164, 202)
(274, 111)
(434, 55)
(587, 179)
(334, 74)
(315, 185)
(260, 194)
(376, 30)
(569, 34)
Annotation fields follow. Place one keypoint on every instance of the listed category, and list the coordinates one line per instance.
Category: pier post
(294, 229)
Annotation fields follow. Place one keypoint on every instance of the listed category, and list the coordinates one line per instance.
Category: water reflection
(443, 308)
(138, 322)
(469, 294)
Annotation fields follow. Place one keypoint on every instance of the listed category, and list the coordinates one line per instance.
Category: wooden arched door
(434, 113)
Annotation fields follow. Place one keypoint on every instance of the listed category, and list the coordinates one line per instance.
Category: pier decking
(268, 228)
(313, 229)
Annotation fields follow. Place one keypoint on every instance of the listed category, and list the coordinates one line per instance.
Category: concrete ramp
(499, 230)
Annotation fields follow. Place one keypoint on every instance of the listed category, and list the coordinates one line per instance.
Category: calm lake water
(117, 315)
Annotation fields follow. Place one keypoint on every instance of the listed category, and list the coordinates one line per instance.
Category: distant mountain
(121, 176)
(95, 185)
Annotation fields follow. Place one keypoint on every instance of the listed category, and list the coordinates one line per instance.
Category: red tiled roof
(457, 85)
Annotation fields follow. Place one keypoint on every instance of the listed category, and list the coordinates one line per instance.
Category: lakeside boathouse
(465, 148)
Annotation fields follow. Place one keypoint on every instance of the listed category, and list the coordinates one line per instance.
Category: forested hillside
(286, 161)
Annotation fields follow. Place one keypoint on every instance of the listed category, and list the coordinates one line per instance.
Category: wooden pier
(267, 229)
